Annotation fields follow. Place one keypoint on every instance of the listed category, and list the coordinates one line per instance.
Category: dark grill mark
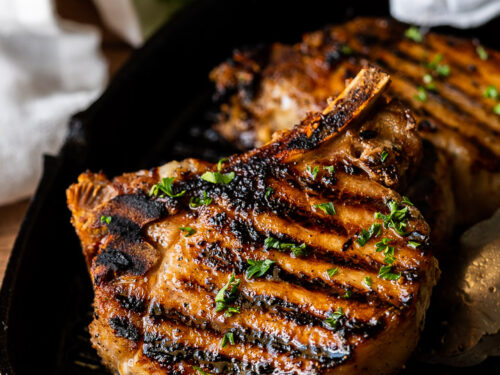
(167, 353)
(126, 229)
(487, 159)
(115, 260)
(130, 302)
(124, 328)
(149, 209)
(328, 356)
(246, 233)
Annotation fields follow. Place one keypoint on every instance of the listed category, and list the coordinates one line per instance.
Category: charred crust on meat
(130, 302)
(141, 205)
(125, 228)
(327, 356)
(167, 353)
(114, 260)
(123, 327)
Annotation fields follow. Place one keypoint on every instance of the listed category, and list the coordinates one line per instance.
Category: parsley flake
(365, 235)
(396, 219)
(226, 295)
(414, 34)
(491, 92)
(329, 168)
(383, 156)
(200, 371)
(440, 69)
(197, 202)
(368, 281)
(327, 208)
(429, 82)
(332, 271)
(165, 185)
(258, 267)
(229, 336)
(421, 94)
(346, 49)
(333, 320)
(348, 294)
(414, 244)
(269, 190)
(218, 177)
(435, 61)
(496, 109)
(386, 274)
(443, 70)
(105, 219)
(189, 231)
(406, 201)
(313, 171)
(481, 52)
(273, 243)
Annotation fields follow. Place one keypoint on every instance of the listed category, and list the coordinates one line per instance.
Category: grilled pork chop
(295, 257)
(442, 79)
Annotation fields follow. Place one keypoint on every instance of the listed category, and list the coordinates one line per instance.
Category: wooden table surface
(116, 53)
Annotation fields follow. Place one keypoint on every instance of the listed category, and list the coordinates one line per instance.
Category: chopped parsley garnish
(269, 190)
(481, 52)
(200, 371)
(368, 281)
(383, 245)
(217, 177)
(365, 235)
(105, 219)
(189, 231)
(228, 337)
(348, 293)
(232, 310)
(441, 69)
(414, 34)
(406, 201)
(386, 274)
(226, 295)
(298, 250)
(333, 319)
(496, 109)
(332, 271)
(491, 92)
(327, 208)
(165, 185)
(273, 243)
(383, 156)
(313, 171)
(396, 219)
(421, 95)
(386, 249)
(258, 267)
(429, 82)
(197, 202)
(346, 49)
(435, 61)
(329, 168)
(414, 244)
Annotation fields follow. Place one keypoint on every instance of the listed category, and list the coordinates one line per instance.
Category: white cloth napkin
(458, 13)
(49, 69)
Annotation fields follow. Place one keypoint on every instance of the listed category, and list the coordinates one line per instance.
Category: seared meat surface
(297, 257)
(442, 79)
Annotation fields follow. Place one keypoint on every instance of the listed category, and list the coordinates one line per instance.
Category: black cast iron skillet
(156, 109)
